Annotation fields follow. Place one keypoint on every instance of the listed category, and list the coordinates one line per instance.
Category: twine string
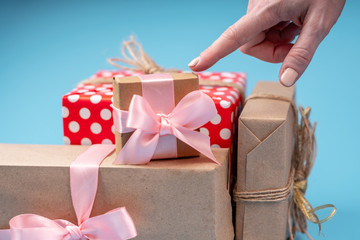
(303, 160)
(135, 59)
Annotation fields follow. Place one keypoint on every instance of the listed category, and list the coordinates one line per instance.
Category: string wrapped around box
(303, 159)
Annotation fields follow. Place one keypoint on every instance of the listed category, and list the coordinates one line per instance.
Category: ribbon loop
(193, 111)
(116, 224)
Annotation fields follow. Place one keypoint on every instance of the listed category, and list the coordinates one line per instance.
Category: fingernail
(289, 76)
(194, 62)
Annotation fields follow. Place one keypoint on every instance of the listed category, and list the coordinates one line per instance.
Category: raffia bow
(134, 58)
(303, 159)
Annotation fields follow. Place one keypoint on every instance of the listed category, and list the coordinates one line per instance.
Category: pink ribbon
(192, 112)
(115, 224)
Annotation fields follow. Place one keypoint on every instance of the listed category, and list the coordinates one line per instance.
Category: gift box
(265, 147)
(87, 117)
(174, 199)
(161, 92)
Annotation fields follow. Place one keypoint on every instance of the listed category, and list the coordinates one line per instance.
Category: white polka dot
(219, 93)
(74, 126)
(216, 119)
(95, 128)
(84, 113)
(85, 141)
(105, 114)
(215, 77)
(119, 75)
(206, 73)
(205, 90)
(65, 112)
(232, 116)
(227, 80)
(236, 94)
(82, 90)
(100, 88)
(67, 141)
(73, 98)
(105, 90)
(231, 98)
(89, 87)
(217, 98)
(113, 129)
(107, 74)
(227, 74)
(89, 93)
(204, 131)
(95, 99)
(221, 88)
(225, 133)
(112, 99)
(207, 87)
(215, 146)
(225, 104)
(109, 93)
(107, 85)
(106, 141)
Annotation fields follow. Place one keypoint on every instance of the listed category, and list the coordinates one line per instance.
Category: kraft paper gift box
(157, 92)
(173, 199)
(265, 148)
(87, 117)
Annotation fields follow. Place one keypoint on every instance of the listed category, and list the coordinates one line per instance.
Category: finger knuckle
(230, 33)
(269, 8)
(301, 55)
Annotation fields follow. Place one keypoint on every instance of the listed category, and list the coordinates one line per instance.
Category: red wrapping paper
(87, 117)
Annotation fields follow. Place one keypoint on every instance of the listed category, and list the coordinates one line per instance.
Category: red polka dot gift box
(87, 114)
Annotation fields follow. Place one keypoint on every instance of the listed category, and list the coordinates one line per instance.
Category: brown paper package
(174, 199)
(264, 160)
(126, 87)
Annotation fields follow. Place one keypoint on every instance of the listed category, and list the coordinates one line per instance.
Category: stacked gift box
(164, 181)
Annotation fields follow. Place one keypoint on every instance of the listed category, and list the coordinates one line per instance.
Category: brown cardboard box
(175, 199)
(126, 87)
(264, 160)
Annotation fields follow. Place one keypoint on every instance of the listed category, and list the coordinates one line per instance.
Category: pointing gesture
(268, 29)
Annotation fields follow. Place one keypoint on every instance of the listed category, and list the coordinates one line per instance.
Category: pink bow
(192, 112)
(115, 224)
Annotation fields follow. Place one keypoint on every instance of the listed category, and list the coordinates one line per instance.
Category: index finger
(234, 37)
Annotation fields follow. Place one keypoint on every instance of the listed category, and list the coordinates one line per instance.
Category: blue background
(46, 47)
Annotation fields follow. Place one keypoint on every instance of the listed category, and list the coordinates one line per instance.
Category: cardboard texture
(126, 87)
(264, 160)
(174, 199)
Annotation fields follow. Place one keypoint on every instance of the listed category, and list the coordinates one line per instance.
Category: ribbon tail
(139, 149)
(35, 227)
(84, 178)
(196, 140)
(115, 224)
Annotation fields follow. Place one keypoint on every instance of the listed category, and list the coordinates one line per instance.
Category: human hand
(267, 31)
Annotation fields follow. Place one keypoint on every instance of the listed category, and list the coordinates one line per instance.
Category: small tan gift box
(174, 199)
(266, 128)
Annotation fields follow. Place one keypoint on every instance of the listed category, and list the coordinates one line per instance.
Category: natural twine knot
(303, 160)
(140, 61)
